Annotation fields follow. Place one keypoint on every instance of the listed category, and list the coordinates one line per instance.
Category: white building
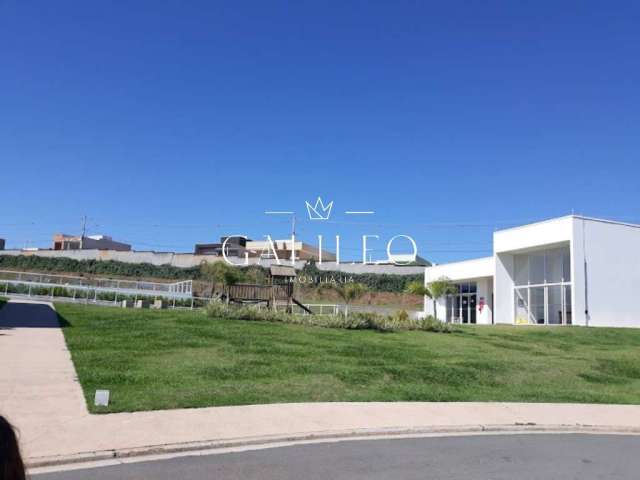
(569, 270)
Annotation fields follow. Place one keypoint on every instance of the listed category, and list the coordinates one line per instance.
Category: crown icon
(319, 211)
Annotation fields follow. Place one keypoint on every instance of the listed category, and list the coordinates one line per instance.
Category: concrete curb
(444, 430)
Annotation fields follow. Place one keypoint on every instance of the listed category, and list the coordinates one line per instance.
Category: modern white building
(570, 270)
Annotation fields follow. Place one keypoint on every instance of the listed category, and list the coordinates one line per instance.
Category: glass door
(464, 308)
(472, 308)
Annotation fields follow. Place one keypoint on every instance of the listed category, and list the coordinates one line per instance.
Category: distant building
(238, 247)
(91, 242)
(284, 249)
(235, 247)
(2, 243)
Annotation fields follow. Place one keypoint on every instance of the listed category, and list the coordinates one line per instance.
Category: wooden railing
(265, 293)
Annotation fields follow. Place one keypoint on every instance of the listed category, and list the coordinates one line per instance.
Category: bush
(253, 274)
(97, 267)
(355, 321)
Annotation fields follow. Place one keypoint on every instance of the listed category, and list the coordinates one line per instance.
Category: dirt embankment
(311, 295)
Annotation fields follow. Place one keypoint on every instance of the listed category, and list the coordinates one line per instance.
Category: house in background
(284, 249)
(238, 247)
(91, 242)
(571, 270)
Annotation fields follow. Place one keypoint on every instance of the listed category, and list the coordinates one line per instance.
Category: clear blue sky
(170, 123)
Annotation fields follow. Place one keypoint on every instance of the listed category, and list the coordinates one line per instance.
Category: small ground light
(102, 398)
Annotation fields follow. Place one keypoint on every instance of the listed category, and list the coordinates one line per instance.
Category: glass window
(463, 288)
(536, 268)
(521, 266)
(549, 266)
(553, 266)
(473, 287)
(554, 294)
(537, 305)
(521, 304)
(566, 264)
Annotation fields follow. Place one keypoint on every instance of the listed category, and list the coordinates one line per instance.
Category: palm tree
(434, 290)
(348, 292)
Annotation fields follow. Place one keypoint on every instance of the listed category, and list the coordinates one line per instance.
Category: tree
(434, 290)
(348, 292)
(220, 273)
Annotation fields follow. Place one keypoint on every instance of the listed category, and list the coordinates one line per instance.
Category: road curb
(444, 430)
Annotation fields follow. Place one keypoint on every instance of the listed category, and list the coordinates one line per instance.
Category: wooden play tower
(279, 290)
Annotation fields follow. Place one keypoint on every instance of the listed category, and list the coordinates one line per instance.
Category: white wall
(503, 289)
(480, 267)
(613, 273)
(557, 230)
(485, 291)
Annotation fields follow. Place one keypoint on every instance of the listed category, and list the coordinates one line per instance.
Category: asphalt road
(487, 457)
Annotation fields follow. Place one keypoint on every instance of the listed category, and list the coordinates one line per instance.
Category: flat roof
(581, 217)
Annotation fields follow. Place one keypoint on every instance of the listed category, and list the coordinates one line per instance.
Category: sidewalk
(41, 396)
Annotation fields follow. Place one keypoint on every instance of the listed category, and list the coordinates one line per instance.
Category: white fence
(49, 285)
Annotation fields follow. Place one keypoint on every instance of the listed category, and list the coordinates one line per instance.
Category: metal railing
(47, 285)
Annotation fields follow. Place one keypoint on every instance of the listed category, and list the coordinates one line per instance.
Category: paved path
(496, 457)
(41, 396)
(39, 391)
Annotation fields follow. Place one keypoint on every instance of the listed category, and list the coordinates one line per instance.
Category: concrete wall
(183, 260)
(610, 288)
(480, 267)
(186, 260)
(503, 289)
(557, 230)
(357, 268)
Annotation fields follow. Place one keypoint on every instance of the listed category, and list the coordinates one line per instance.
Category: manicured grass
(169, 359)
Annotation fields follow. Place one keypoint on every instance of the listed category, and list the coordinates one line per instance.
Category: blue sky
(170, 123)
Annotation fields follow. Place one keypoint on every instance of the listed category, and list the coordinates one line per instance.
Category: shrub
(431, 324)
(355, 321)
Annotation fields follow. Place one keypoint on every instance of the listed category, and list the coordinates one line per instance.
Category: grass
(170, 359)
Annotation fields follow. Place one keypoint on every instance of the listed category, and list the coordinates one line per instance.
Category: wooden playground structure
(279, 290)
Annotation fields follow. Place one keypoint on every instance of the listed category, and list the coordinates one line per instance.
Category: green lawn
(168, 359)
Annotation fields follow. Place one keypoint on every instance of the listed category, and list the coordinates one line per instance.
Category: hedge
(374, 281)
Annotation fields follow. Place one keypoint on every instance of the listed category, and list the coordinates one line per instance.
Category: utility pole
(84, 230)
(293, 239)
